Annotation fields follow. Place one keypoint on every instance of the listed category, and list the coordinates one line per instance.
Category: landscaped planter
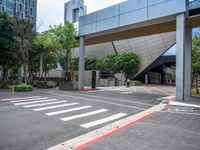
(41, 84)
(45, 84)
(68, 86)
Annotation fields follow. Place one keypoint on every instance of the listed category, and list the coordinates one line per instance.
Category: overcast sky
(51, 12)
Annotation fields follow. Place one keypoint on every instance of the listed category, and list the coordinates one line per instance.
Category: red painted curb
(113, 132)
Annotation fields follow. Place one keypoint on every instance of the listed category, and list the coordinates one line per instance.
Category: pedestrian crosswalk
(67, 111)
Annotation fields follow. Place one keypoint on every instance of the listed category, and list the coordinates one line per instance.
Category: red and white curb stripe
(92, 137)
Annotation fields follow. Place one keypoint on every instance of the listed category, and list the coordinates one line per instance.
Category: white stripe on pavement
(67, 110)
(56, 106)
(104, 120)
(184, 104)
(15, 98)
(35, 102)
(44, 104)
(32, 99)
(84, 115)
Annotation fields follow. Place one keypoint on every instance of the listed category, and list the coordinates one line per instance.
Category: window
(75, 15)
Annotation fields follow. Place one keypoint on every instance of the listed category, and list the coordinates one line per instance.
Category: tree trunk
(25, 73)
(70, 66)
(41, 66)
(197, 83)
(30, 76)
(66, 73)
(5, 73)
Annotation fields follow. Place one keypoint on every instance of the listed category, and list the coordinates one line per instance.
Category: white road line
(161, 91)
(35, 102)
(84, 115)
(108, 130)
(101, 97)
(67, 110)
(56, 106)
(147, 89)
(44, 104)
(135, 89)
(15, 98)
(103, 101)
(104, 120)
(32, 99)
(183, 104)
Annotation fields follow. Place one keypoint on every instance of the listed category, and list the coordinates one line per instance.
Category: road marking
(67, 110)
(83, 115)
(92, 96)
(33, 99)
(56, 106)
(135, 89)
(102, 101)
(15, 98)
(92, 137)
(35, 102)
(161, 91)
(146, 89)
(183, 104)
(104, 120)
(44, 104)
(181, 109)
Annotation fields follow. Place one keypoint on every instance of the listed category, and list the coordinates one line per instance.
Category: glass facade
(23, 8)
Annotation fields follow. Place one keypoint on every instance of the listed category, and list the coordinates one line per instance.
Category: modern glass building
(73, 10)
(26, 9)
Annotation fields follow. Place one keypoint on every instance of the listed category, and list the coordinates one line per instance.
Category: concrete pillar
(188, 61)
(81, 63)
(180, 59)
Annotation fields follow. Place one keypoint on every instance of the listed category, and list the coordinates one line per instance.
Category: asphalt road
(53, 117)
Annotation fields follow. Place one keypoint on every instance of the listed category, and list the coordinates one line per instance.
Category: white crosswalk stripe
(32, 99)
(104, 120)
(43, 104)
(40, 103)
(67, 110)
(35, 102)
(83, 115)
(20, 98)
(56, 106)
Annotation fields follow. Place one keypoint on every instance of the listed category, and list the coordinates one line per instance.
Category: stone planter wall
(68, 86)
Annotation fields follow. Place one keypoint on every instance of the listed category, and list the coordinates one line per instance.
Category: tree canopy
(9, 50)
(196, 61)
(127, 63)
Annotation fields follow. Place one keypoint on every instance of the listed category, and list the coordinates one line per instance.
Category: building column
(188, 61)
(180, 57)
(81, 63)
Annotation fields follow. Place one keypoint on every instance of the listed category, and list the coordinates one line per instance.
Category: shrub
(23, 88)
(3, 85)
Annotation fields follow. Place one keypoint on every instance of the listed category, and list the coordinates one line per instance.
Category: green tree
(196, 61)
(127, 63)
(8, 49)
(67, 37)
(90, 63)
(24, 33)
(50, 61)
(46, 43)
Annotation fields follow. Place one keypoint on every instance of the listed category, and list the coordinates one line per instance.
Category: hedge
(23, 88)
